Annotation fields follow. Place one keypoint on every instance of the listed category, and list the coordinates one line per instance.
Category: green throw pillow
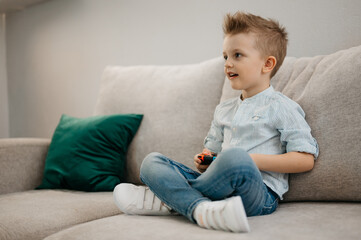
(88, 154)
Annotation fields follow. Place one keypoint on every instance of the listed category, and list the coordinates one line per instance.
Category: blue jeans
(232, 173)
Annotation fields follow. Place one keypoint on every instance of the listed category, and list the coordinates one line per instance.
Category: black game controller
(206, 159)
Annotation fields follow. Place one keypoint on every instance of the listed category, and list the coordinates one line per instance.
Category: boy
(257, 138)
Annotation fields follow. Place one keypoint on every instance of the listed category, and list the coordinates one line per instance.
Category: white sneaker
(140, 200)
(227, 215)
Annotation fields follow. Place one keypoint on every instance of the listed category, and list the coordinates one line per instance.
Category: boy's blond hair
(271, 37)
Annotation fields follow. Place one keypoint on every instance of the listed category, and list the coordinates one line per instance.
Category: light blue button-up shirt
(267, 123)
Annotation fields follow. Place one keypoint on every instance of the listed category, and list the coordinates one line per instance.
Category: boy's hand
(202, 168)
(208, 152)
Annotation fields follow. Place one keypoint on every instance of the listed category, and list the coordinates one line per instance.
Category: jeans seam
(183, 167)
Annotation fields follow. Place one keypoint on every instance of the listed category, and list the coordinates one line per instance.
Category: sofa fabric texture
(177, 103)
(296, 221)
(36, 214)
(22, 162)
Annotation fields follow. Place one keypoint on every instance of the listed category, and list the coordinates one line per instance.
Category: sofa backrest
(178, 103)
(328, 88)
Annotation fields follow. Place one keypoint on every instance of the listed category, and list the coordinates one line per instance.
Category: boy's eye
(238, 55)
(225, 57)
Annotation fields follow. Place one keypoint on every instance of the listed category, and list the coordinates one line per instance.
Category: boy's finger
(205, 152)
(197, 164)
(204, 166)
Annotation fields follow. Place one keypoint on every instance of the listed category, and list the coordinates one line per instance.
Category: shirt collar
(267, 92)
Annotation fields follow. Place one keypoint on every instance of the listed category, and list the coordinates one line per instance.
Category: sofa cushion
(328, 89)
(88, 154)
(177, 102)
(290, 221)
(36, 214)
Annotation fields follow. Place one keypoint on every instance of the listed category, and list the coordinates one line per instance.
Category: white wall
(4, 112)
(57, 50)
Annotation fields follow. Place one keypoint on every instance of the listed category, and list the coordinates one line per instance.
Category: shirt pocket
(258, 124)
(256, 117)
(261, 126)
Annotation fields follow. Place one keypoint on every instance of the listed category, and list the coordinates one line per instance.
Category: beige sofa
(178, 104)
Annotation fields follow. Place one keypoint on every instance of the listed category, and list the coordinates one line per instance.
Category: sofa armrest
(22, 162)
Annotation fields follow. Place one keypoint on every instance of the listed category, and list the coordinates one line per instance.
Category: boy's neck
(247, 93)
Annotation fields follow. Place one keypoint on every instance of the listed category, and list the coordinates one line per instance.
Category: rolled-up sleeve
(295, 133)
(214, 139)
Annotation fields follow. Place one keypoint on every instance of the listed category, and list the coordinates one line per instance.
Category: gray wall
(57, 50)
(4, 111)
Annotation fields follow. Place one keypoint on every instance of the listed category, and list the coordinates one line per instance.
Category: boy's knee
(236, 157)
(151, 156)
(149, 162)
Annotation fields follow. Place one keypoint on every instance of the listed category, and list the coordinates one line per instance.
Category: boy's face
(243, 63)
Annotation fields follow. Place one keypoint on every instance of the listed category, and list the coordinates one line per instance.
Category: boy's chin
(236, 86)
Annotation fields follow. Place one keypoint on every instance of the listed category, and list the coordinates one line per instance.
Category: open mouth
(232, 75)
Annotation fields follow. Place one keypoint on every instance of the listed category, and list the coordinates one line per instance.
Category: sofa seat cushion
(36, 214)
(294, 221)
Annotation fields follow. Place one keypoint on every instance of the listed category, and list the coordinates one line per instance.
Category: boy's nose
(228, 64)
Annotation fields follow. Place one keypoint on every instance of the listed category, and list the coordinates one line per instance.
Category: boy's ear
(269, 64)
